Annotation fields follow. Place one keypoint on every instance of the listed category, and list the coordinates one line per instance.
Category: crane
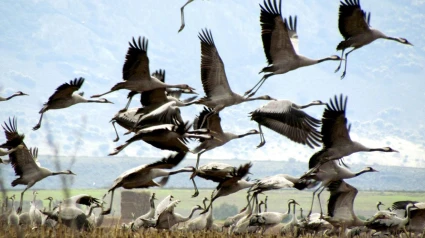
(22, 160)
(136, 73)
(279, 38)
(335, 135)
(354, 26)
(143, 175)
(288, 119)
(64, 97)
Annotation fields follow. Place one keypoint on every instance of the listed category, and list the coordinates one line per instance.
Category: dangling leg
(262, 139)
(340, 62)
(346, 61)
(130, 97)
(196, 188)
(19, 210)
(197, 160)
(182, 14)
(262, 80)
(110, 206)
(116, 133)
(36, 127)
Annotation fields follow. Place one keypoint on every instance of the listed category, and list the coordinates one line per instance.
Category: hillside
(100, 172)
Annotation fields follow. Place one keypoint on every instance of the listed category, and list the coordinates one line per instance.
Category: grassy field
(365, 202)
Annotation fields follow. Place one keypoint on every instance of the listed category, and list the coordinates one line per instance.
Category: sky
(44, 44)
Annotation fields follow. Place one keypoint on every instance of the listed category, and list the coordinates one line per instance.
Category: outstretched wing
(136, 66)
(210, 121)
(12, 135)
(168, 163)
(67, 89)
(274, 33)
(213, 75)
(352, 19)
(334, 123)
(288, 121)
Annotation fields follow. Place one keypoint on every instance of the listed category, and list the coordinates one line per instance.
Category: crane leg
(312, 201)
(320, 203)
(100, 95)
(346, 61)
(110, 206)
(340, 62)
(262, 139)
(36, 127)
(182, 14)
(196, 188)
(19, 210)
(128, 104)
(116, 133)
(257, 86)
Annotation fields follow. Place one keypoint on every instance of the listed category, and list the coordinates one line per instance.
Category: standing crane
(214, 80)
(136, 74)
(143, 175)
(280, 42)
(22, 160)
(64, 97)
(354, 26)
(19, 93)
(288, 119)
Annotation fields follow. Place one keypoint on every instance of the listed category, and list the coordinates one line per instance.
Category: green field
(365, 202)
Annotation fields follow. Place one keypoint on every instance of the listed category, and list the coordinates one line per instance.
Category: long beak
(73, 173)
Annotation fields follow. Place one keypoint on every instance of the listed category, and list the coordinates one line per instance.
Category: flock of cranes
(159, 123)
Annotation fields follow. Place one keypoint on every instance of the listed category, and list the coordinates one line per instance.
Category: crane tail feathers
(343, 45)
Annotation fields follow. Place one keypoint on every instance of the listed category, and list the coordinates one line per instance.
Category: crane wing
(22, 162)
(12, 135)
(277, 181)
(288, 121)
(213, 75)
(334, 123)
(352, 19)
(67, 89)
(136, 66)
(168, 163)
(241, 172)
(292, 32)
(166, 113)
(341, 201)
(212, 121)
(275, 34)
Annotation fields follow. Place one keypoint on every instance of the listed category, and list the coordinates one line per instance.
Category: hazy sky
(46, 43)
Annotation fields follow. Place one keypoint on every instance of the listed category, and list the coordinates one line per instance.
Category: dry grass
(116, 231)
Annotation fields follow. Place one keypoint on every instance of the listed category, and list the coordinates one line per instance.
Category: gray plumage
(23, 162)
(64, 97)
(354, 26)
(278, 37)
(287, 119)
